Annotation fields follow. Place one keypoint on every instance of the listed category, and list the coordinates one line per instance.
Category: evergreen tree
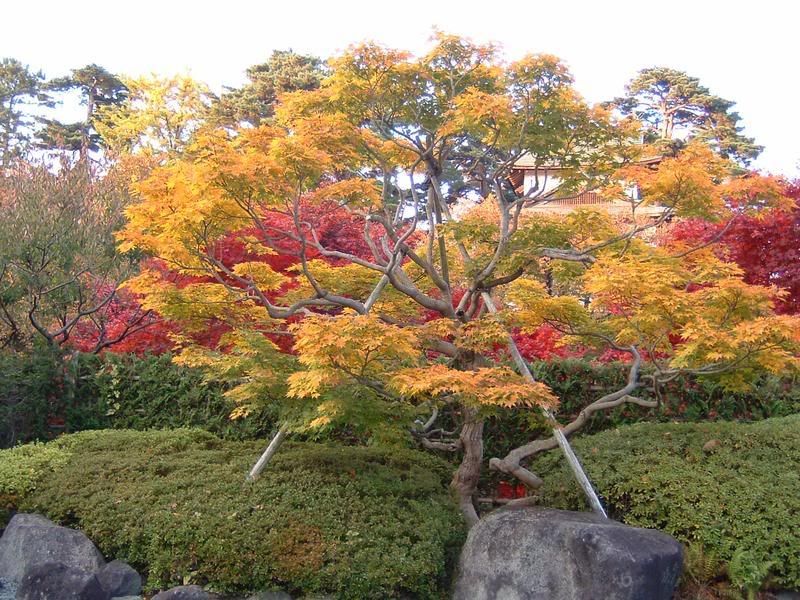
(285, 71)
(98, 88)
(671, 102)
(19, 88)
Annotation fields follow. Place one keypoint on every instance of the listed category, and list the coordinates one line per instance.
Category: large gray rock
(120, 579)
(531, 553)
(46, 581)
(185, 592)
(32, 539)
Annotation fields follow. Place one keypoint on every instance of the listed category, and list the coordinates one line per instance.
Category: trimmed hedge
(577, 383)
(730, 490)
(355, 522)
(152, 392)
(43, 395)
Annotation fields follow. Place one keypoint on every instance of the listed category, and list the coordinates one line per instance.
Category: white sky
(742, 51)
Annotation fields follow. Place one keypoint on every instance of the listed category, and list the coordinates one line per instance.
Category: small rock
(32, 539)
(710, 446)
(120, 579)
(185, 592)
(46, 581)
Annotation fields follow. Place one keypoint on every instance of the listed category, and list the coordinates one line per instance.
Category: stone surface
(47, 581)
(8, 589)
(120, 579)
(532, 553)
(279, 595)
(185, 592)
(32, 539)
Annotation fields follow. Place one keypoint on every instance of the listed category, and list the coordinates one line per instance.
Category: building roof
(528, 162)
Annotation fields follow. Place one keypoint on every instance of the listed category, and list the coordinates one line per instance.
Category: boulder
(185, 592)
(32, 539)
(532, 553)
(279, 595)
(45, 581)
(120, 579)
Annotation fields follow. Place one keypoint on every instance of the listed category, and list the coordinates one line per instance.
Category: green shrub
(21, 468)
(43, 394)
(152, 392)
(29, 388)
(356, 522)
(729, 488)
(577, 383)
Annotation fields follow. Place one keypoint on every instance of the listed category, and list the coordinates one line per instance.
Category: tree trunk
(465, 480)
(84, 149)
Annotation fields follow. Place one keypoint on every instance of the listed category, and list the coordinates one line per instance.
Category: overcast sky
(743, 51)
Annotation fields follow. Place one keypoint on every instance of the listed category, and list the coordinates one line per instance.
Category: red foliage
(766, 247)
(121, 326)
(335, 227)
(509, 491)
(541, 344)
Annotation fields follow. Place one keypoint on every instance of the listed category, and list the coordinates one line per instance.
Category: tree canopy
(19, 86)
(254, 102)
(59, 268)
(672, 103)
(97, 88)
(416, 317)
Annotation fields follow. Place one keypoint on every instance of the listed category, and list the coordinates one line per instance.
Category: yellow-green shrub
(356, 522)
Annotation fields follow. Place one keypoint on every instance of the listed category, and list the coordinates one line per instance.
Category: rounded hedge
(356, 522)
(730, 489)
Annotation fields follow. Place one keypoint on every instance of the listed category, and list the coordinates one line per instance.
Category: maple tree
(158, 115)
(766, 245)
(410, 319)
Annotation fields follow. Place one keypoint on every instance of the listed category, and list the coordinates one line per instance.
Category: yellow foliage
(481, 335)
(588, 227)
(353, 193)
(346, 347)
(723, 323)
(261, 274)
(487, 116)
(351, 280)
(529, 306)
(194, 305)
(688, 183)
(159, 116)
(491, 386)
